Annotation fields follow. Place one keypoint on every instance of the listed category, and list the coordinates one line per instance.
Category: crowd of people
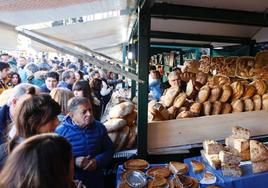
(50, 129)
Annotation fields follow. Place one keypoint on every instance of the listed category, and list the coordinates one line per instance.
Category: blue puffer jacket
(5, 120)
(93, 141)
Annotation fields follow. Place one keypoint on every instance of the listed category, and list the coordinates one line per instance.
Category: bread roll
(121, 110)
(257, 100)
(179, 100)
(170, 94)
(216, 108)
(260, 86)
(265, 101)
(203, 94)
(226, 108)
(238, 90)
(250, 90)
(185, 114)
(249, 105)
(226, 93)
(238, 105)
(114, 124)
(192, 89)
(215, 93)
(206, 109)
(196, 108)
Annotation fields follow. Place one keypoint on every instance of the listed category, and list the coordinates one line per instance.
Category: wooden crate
(173, 133)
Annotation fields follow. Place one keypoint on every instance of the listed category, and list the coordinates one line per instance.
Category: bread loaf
(250, 91)
(207, 108)
(114, 124)
(260, 86)
(216, 108)
(122, 109)
(258, 151)
(238, 90)
(215, 93)
(122, 138)
(196, 108)
(172, 112)
(249, 105)
(131, 118)
(212, 147)
(131, 136)
(265, 101)
(203, 94)
(237, 105)
(168, 98)
(226, 108)
(240, 132)
(257, 101)
(226, 93)
(192, 89)
(179, 100)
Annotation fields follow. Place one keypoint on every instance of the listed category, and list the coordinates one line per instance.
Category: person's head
(41, 161)
(82, 89)
(36, 114)
(31, 68)
(96, 84)
(80, 111)
(174, 79)
(22, 61)
(72, 67)
(61, 96)
(52, 80)
(110, 75)
(4, 70)
(4, 58)
(15, 78)
(68, 77)
(79, 75)
(95, 74)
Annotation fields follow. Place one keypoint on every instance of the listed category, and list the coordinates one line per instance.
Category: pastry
(172, 112)
(226, 108)
(260, 166)
(208, 178)
(233, 171)
(197, 166)
(229, 157)
(212, 147)
(136, 164)
(257, 101)
(178, 167)
(226, 93)
(237, 105)
(157, 182)
(241, 145)
(159, 171)
(212, 159)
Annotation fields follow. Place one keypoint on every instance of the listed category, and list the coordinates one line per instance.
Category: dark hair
(15, 73)
(41, 161)
(96, 84)
(83, 86)
(4, 66)
(74, 102)
(33, 111)
(81, 74)
(53, 74)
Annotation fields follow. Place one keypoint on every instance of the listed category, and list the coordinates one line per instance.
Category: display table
(248, 180)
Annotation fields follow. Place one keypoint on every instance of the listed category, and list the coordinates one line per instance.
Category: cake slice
(258, 151)
(233, 171)
(197, 166)
(229, 156)
(212, 147)
(178, 167)
(208, 178)
(213, 160)
(260, 166)
(240, 132)
(241, 145)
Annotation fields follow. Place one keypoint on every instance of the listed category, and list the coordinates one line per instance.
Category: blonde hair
(61, 96)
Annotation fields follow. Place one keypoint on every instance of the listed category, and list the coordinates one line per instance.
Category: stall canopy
(209, 22)
(101, 25)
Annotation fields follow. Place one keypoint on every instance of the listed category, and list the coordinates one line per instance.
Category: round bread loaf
(114, 124)
(121, 110)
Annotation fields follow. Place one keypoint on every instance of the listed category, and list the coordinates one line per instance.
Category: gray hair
(31, 67)
(66, 74)
(74, 102)
(20, 90)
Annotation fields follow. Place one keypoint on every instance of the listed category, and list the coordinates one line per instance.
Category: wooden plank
(181, 132)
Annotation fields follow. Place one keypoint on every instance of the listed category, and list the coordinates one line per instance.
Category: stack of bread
(211, 153)
(240, 141)
(258, 156)
(121, 126)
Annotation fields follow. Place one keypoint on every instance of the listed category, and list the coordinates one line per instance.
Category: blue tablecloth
(248, 180)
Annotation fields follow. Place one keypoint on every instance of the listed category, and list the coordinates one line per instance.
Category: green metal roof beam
(179, 45)
(172, 11)
(198, 37)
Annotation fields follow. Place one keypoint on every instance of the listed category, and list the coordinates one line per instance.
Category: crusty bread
(159, 171)
(212, 147)
(260, 86)
(237, 105)
(258, 151)
(248, 105)
(122, 109)
(136, 164)
(197, 166)
(240, 132)
(226, 93)
(192, 89)
(131, 136)
(207, 108)
(215, 93)
(238, 90)
(226, 108)
(265, 101)
(178, 167)
(179, 100)
(257, 100)
(121, 138)
(216, 108)
(203, 94)
(170, 94)
(260, 166)
(114, 124)
(250, 91)
(172, 111)
(196, 108)
(131, 118)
